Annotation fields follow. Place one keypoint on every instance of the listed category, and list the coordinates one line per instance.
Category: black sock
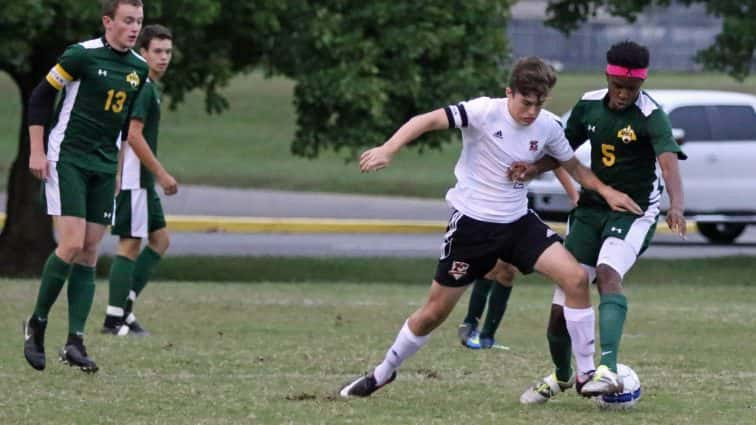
(478, 297)
(497, 305)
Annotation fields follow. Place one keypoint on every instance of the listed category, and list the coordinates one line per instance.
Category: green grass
(272, 353)
(248, 146)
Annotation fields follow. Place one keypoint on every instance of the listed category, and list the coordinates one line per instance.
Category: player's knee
(504, 274)
(575, 282)
(608, 280)
(69, 250)
(160, 241)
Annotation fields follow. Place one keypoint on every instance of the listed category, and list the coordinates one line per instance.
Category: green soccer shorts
(138, 213)
(74, 191)
(588, 228)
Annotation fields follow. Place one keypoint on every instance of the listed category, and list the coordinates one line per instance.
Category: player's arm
(566, 181)
(671, 172)
(142, 150)
(40, 107)
(376, 158)
(618, 201)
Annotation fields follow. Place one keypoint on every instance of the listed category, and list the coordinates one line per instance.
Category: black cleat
(75, 354)
(34, 342)
(363, 386)
(136, 329)
(114, 326)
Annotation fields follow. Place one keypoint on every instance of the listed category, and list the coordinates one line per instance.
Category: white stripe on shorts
(139, 213)
(52, 190)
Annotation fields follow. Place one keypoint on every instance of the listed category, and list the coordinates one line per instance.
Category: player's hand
(676, 221)
(619, 201)
(168, 183)
(521, 172)
(39, 166)
(375, 159)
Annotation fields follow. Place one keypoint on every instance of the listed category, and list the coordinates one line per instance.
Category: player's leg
(412, 336)
(119, 284)
(538, 249)
(145, 264)
(469, 257)
(497, 302)
(478, 299)
(627, 236)
(583, 241)
(64, 198)
(81, 283)
(130, 225)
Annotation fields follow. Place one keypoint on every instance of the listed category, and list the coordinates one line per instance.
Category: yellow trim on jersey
(63, 72)
(58, 77)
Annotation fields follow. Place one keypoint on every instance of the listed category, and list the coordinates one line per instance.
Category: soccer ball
(630, 394)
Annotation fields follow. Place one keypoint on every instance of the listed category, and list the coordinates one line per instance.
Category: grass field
(275, 352)
(248, 146)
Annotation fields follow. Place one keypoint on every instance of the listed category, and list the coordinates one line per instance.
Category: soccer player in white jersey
(490, 222)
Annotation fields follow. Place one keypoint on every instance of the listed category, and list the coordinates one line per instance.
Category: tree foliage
(732, 51)
(363, 68)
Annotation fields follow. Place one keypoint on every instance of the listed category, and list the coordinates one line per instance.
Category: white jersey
(491, 141)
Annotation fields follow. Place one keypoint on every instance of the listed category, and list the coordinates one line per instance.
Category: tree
(223, 39)
(732, 51)
(362, 68)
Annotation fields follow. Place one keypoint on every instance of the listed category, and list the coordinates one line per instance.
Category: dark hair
(531, 75)
(109, 6)
(150, 32)
(628, 54)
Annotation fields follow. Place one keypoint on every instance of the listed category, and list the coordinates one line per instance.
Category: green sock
(54, 275)
(143, 267)
(561, 355)
(478, 298)
(612, 312)
(497, 305)
(120, 281)
(81, 289)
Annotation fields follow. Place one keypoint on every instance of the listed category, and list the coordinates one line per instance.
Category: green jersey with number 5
(624, 145)
(99, 84)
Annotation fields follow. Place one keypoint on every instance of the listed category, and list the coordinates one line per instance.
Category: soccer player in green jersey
(495, 294)
(139, 214)
(99, 78)
(629, 135)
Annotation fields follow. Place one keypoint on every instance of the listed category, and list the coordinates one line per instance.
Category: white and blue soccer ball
(629, 396)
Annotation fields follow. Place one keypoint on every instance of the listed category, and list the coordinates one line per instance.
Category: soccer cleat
(586, 377)
(476, 342)
(543, 391)
(75, 354)
(136, 329)
(363, 386)
(465, 331)
(604, 381)
(34, 342)
(115, 325)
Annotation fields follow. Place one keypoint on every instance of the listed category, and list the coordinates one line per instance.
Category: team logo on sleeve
(133, 79)
(458, 269)
(627, 134)
(534, 145)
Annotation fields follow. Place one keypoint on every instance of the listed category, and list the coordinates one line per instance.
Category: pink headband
(621, 71)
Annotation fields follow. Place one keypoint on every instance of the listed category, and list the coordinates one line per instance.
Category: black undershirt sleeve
(41, 103)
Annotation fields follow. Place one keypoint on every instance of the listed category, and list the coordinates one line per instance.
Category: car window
(694, 121)
(733, 122)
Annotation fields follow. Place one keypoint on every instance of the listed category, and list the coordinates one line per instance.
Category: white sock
(405, 345)
(581, 324)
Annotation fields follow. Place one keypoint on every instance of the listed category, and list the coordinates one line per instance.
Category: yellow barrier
(220, 224)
